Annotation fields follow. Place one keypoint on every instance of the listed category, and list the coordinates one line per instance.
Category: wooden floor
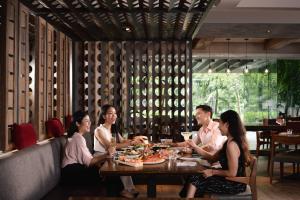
(287, 188)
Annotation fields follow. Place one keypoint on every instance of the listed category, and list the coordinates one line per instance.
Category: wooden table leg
(151, 187)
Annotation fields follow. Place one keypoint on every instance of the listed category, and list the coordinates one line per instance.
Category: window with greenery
(253, 94)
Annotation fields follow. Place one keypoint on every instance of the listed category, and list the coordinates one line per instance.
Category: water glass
(113, 142)
(289, 131)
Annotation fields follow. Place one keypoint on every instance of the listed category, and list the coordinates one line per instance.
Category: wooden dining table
(277, 128)
(150, 171)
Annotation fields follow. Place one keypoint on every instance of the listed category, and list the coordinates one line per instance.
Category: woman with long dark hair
(79, 166)
(233, 157)
(106, 136)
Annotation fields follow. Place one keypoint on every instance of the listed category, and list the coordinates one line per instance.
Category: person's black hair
(206, 108)
(114, 127)
(77, 117)
(238, 132)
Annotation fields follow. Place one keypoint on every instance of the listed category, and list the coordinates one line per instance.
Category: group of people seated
(223, 142)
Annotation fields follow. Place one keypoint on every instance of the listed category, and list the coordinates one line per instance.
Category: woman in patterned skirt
(233, 157)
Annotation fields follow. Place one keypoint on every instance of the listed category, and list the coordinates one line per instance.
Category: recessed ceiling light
(127, 28)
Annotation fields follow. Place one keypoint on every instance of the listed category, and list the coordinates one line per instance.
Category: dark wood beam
(151, 21)
(175, 30)
(79, 18)
(128, 20)
(125, 10)
(202, 43)
(137, 27)
(110, 32)
(278, 43)
(75, 26)
(187, 20)
(194, 33)
(169, 15)
(144, 19)
(113, 16)
(60, 26)
(160, 23)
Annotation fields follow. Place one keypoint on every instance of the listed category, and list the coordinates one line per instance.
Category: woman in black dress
(233, 157)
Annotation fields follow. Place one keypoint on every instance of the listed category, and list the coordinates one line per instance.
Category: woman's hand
(207, 173)
(111, 151)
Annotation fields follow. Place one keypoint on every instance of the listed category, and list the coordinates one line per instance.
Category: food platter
(154, 162)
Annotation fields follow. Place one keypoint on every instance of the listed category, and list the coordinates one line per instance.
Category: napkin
(186, 163)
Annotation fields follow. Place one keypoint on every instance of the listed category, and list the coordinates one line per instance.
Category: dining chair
(249, 180)
(288, 156)
(263, 144)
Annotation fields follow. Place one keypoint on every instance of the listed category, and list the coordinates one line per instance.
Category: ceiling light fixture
(267, 62)
(228, 69)
(246, 70)
(209, 67)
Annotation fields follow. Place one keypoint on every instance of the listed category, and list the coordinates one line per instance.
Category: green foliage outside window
(253, 95)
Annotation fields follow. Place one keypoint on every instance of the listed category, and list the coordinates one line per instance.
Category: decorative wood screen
(31, 71)
(148, 82)
(10, 75)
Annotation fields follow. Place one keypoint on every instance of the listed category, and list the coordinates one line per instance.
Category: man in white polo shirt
(209, 134)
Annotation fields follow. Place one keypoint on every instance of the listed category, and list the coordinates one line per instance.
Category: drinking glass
(186, 135)
(166, 130)
(113, 142)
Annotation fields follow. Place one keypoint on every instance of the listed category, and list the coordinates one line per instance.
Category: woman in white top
(103, 135)
(79, 167)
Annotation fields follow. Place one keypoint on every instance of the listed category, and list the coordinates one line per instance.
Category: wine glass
(186, 135)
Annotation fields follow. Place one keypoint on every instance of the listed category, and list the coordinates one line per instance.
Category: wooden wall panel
(40, 79)
(9, 75)
(60, 74)
(23, 106)
(49, 72)
(67, 77)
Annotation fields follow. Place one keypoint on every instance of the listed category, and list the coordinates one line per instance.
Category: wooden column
(50, 73)
(9, 71)
(40, 79)
(23, 73)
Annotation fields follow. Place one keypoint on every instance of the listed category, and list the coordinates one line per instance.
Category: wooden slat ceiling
(124, 19)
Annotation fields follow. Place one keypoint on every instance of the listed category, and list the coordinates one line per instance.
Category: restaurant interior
(155, 61)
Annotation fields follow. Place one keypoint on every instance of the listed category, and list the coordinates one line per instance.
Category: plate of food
(131, 152)
(130, 161)
(153, 159)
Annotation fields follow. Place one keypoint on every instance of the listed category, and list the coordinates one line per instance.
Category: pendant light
(267, 62)
(228, 69)
(209, 67)
(246, 70)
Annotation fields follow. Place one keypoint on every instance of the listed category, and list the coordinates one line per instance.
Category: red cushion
(23, 135)
(54, 128)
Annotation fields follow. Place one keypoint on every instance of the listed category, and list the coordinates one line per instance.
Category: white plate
(129, 163)
(190, 158)
(153, 163)
(133, 156)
